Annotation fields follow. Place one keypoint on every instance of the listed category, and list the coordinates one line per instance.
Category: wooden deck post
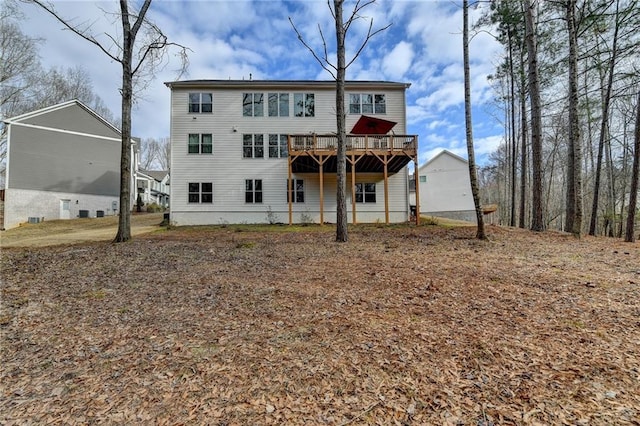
(353, 188)
(416, 178)
(289, 160)
(386, 191)
(321, 191)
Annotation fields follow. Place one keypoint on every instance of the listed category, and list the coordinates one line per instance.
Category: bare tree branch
(366, 40)
(304, 43)
(91, 39)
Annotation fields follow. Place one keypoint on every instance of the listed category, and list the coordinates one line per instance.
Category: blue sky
(236, 39)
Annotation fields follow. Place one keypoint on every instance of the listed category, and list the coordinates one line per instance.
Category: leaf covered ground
(402, 325)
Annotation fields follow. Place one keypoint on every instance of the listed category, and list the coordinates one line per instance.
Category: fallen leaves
(398, 326)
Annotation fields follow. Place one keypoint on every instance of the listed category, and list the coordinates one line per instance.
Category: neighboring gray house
(153, 186)
(63, 162)
(263, 150)
(445, 188)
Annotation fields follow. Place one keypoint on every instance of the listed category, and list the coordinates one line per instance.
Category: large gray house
(63, 162)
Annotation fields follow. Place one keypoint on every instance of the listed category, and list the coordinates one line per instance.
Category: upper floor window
(278, 146)
(366, 103)
(200, 192)
(296, 189)
(200, 143)
(304, 104)
(253, 191)
(252, 146)
(278, 104)
(253, 104)
(365, 193)
(200, 102)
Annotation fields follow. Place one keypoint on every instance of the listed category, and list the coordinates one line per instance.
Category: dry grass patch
(402, 325)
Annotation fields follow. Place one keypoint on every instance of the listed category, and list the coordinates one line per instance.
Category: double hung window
(201, 192)
(304, 104)
(252, 146)
(253, 104)
(200, 143)
(278, 104)
(296, 189)
(253, 191)
(200, 102)
(278, 146)
(365, 193)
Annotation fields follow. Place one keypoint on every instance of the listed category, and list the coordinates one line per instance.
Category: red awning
(372, 126)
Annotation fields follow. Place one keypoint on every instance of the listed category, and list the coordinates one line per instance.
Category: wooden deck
(385, 154)
(365, 153)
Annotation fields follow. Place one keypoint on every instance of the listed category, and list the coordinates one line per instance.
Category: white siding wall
(227, 169)
(21, 204)
(447, 189)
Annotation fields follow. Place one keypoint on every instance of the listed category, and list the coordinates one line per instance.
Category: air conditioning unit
(36, 219)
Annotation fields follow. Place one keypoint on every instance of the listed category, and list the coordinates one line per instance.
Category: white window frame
(358, 107)
(292, 188)
(200, 103)
(201, 193)
(256, 107)
(361, 190)
(256, 147)
(201, 143)
(253, 191)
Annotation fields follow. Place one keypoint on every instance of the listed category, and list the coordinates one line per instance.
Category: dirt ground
(402, 325)
(56, 232)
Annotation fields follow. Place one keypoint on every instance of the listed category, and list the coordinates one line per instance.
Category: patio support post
(321, 191)
(289, 181)
(416, 178)
(386, 191)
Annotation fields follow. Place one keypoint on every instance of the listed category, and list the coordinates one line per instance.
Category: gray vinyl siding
(73, 118)
(62, 162)
(227, 169)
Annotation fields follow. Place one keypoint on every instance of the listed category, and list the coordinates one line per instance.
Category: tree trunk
(514, 149)
(604, 130)
(473, 175)
(574, 156)
(537, 223)
(128, 38)
(524, 132)
(341, 197)
(629, 235)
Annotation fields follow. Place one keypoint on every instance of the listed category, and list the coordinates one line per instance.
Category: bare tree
(630, 235)
(150, 52)
(573, 221)
(537, 223)
(473, 174)
(148, 153)
(164, 153)
(338, 72)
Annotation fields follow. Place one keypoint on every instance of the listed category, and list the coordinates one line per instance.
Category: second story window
(304, 105)
(252, 146)
(200, 143)
(253, 104)
(367, 103)
(278, 105)
(278, 146)
(200, 102)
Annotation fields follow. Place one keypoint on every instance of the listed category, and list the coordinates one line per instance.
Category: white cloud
(398, 61)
